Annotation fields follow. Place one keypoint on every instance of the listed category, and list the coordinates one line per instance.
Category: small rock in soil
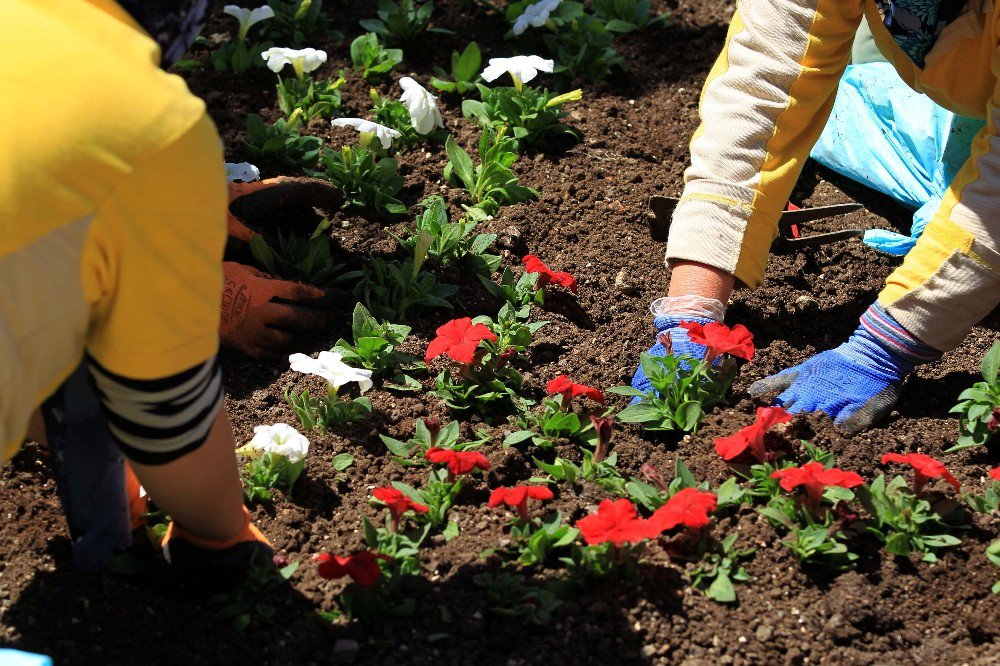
(764, 633)
(625, 284)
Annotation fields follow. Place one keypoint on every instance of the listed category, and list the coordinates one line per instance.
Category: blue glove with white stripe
(857, 383)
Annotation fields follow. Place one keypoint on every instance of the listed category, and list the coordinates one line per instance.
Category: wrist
(688, 308)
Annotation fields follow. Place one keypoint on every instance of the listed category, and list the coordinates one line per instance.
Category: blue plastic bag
(886, 136)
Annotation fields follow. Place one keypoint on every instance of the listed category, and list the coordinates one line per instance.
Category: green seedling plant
(598, 466)
(491, 183)
(684, 387)
(329, 410)
(719, 569)
(443, 485)
(452, 243)
(402, 22)
(371, 59)
(308, 260)
(555, 419)
(908, 523)
(509, 595)
(281, 142)
(364, 174)
(376, 592)
(978, 408)
(393, 289)
(240, 55)
(993, 555)
(655, 494)
(429, 433)
(296, 21)
(560, 18)
(519, 291)
(464, 71)
(375, 347)
(988, 502)
(582, 49)
(316, 98)
(402, 547)
(251, 601)
(483, 376)
(530, 115)
(621, 16)
(817, 533)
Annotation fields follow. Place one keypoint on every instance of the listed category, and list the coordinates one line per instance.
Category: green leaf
(467, 65)
(688, 415)
(626, 390)
(722, 589)
(517, 437)
(451, 530)
(640, 413)
(396, 447)
(342, 461)
(898, 544)
(682, 472)
(461, 163)
(991, 363)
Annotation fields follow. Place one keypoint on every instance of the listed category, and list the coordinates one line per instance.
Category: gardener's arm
(948, 282)
(763, 107)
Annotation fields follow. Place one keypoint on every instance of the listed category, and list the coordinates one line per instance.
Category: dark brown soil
(590, 220)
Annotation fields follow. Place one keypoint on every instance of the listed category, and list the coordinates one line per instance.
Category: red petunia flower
(994, 421)
(720, 339)
(815, 478)
(689, 507)
(924, 467)
(616, 521)
(547, 276)
(458, 462)
(458, 339)
(750, 440)
(568, 389)
(362, 566)
(995, 473)
(518, 497)
(398, 504)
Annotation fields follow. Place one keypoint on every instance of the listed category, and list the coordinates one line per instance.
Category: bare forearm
(692, 278)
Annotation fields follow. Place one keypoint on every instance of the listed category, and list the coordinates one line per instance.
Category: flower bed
(471, 590)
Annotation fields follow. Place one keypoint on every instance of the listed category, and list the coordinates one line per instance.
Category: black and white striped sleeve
(159, 420)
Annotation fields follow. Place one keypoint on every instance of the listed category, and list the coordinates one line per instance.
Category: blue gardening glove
(680, 343)
(858, 382)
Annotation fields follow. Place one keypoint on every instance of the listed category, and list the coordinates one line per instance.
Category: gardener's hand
(261, 315)
(217, 564)
(279, 202)
(858, 382)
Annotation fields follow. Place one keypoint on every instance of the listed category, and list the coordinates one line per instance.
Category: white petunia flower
(424, 112)
(302, 61)
(535, 15)
(244, 172)
(521, 68)
(248, 18)
(385, 134)
(281, 439)
(331, 367)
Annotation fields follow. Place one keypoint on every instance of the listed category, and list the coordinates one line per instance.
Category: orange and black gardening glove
(216, 564)
(262, 315)
(279, 203)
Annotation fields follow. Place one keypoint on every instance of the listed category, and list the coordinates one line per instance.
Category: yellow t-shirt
(112, 205)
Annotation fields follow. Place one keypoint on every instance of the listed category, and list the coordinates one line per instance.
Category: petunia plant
(533, 540)
(555, 418)
(375, 347)
(295, 21)
(375, 591)
(817, 532)
(491, 183)
(481, 351)
(908, 519)
(403, 21)
(464, 71)
(302, 259)
(582, 49)
(281, 142)
(240, 54)
(614, 536)
(528, 114)
(598, 466)
(325, 411)
(371, 59)
(430, 433)
(315, 98)
(277, 454)
(363, 174)
(621, 16)
(452, 243)
(979, 406)
(989, 501)
(683, 387)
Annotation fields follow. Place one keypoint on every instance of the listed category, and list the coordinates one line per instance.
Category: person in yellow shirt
(112, 226)
(763, 106)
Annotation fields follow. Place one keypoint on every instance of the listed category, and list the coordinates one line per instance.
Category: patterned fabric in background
(916, 24)
(174, 24)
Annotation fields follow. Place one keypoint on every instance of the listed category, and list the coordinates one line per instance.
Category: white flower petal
(307, 60)
(260, 14)
(521, 68)
(385, 134)
(331, 367)
(424, 112)
(243, 171)
(280, 439)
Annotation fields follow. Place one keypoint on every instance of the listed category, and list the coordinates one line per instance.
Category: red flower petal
(459, 339)
(532, 264)
(924, 466)
(720, 339)
(362, 566)
(815, 478)
(751, 438)
(689, 507)
(995, 473)
(563, 385)
(458, 462)
(615, 522)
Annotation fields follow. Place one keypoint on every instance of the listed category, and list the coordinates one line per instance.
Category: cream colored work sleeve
(951, 278)
(763, 107)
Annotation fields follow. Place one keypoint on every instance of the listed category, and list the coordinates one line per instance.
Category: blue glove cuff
(893, 337)
(884, 348)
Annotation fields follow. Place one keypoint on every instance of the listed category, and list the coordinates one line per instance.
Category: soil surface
(590, 220)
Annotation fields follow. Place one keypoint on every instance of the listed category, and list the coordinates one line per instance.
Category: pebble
(648, 651)
(624, 283)
(804, 302)
(764, 633)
